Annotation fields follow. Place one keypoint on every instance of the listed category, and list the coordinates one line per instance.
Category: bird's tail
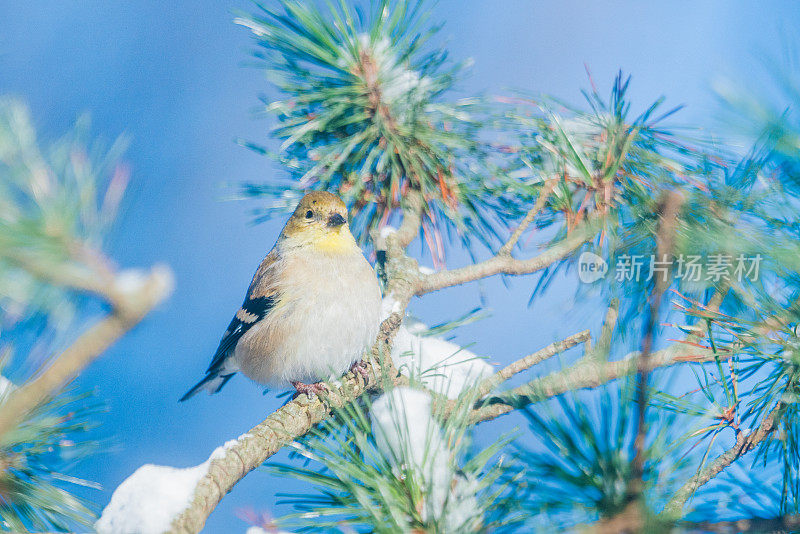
(212, 383)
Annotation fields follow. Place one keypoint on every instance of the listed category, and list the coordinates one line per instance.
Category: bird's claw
(361, 368)
(316, 388)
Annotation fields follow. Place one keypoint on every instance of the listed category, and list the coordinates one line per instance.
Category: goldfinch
(312, 308)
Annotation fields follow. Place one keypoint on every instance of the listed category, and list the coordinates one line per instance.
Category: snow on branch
(149, 500)
(407, 433)
(440, 365)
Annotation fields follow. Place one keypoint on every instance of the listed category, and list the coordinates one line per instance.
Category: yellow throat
(334, 242)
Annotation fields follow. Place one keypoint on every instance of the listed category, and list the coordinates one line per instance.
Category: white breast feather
(328, 316)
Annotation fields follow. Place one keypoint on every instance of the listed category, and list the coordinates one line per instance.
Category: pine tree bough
(500, 264)
(529, 361)
(665, 245)
(745, 442)
(541, 200)
(588, 372)
(787, 523)
(503, 262)
(130, 306)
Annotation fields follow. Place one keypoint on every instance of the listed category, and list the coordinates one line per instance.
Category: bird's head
(319, 223)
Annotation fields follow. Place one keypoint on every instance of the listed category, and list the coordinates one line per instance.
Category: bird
(312, 308)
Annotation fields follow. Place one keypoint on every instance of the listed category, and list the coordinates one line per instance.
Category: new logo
(591, 267)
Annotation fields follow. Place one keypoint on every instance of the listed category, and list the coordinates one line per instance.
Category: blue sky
(170, 76)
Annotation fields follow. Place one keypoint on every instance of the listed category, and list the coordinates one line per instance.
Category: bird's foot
(361, 368)
(317, 388)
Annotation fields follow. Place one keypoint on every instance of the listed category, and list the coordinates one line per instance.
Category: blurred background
(176, 81)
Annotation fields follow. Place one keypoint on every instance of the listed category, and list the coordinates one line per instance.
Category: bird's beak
(335, 221)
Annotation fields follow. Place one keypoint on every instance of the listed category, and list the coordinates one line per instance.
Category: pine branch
(501, 265)
(52, 222)
(503, 262)
(744, 444)
(607, 332)
(665, 239)
(529, 361)
(413, 205)
(362, 116)
(58, 205)
(586, 373)
(130, 307)
(756, 525)
(541, 200)
(282, 427)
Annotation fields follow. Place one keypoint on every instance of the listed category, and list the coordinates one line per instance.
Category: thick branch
(664, 243)
(288, 423)
(412, 220)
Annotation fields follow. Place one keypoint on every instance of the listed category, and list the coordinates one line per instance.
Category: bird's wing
(252, 311)
(261, 298)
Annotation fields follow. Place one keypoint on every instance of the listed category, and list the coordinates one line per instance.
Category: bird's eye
(309, 214)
